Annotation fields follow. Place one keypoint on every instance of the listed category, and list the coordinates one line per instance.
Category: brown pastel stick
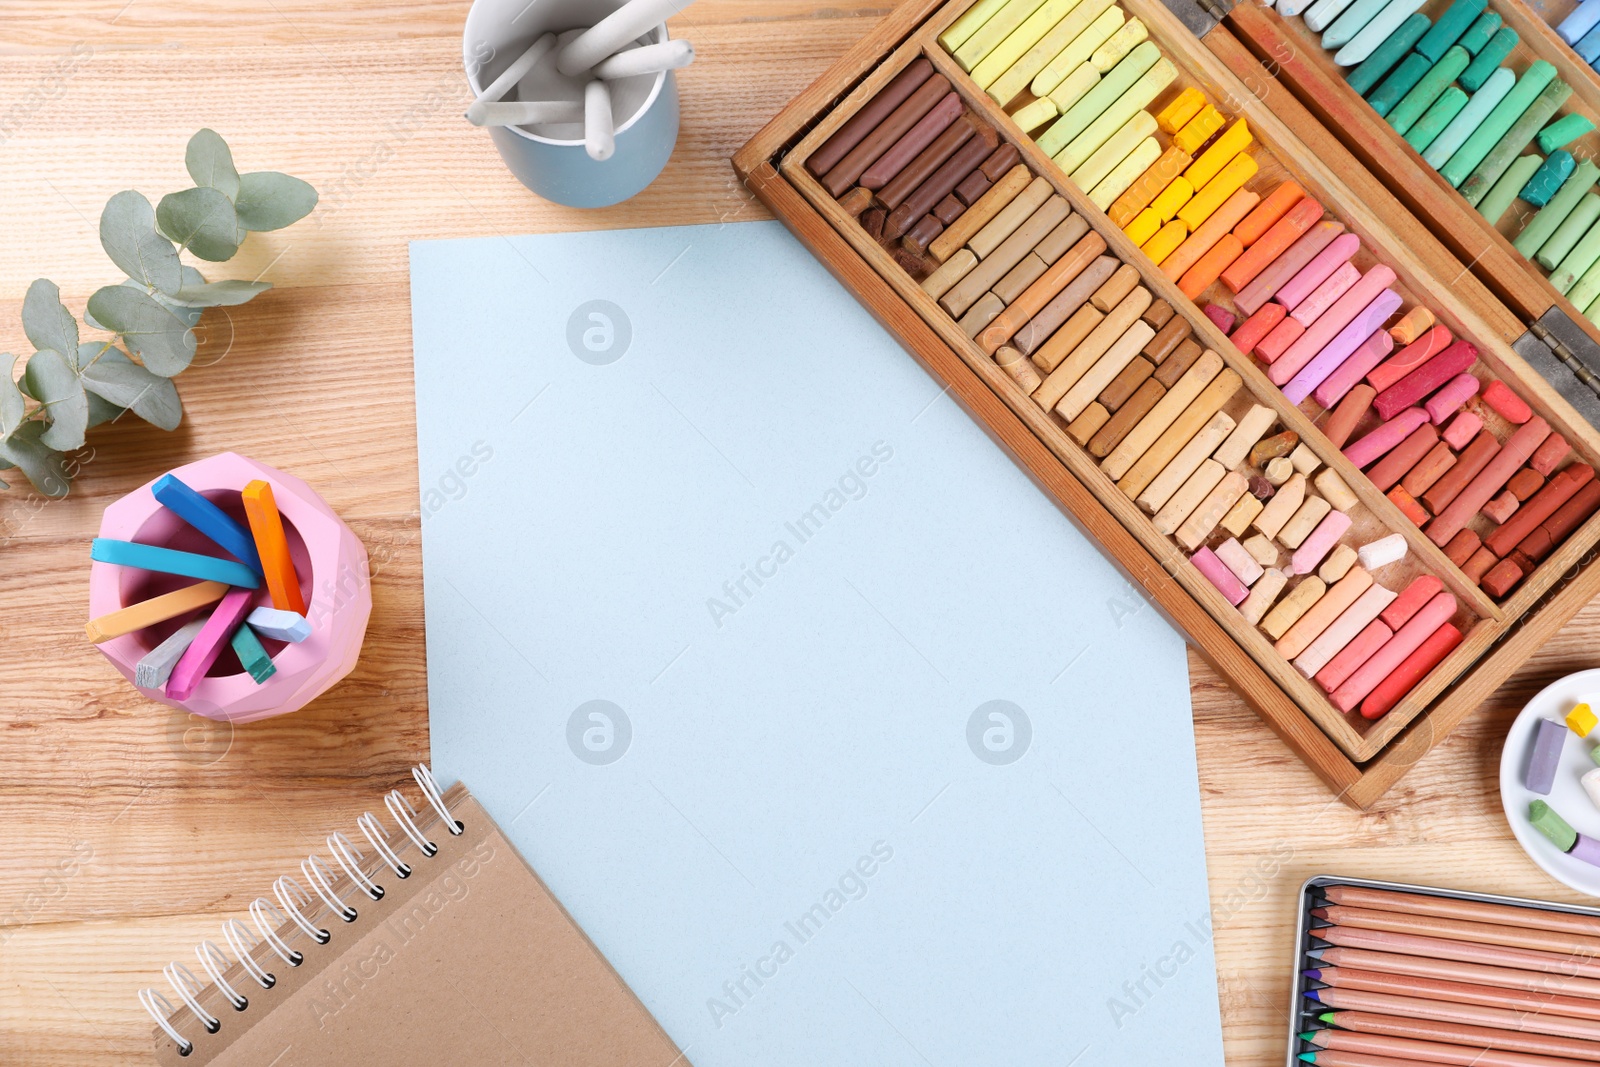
(1277, 273)
(931, 162)
(872, 221)
(982, 213)
(1388, 471)
(1472, 459)
(1085, 426)
(1135, 374)
(948, 210)
(1116, 287)
(1011, 252)
(1462, 546)
(870, 117)
(1173, 162)
(1167, 339)
(918, 267)
(1502, 578)
(1558, 527)
(922, 234)
(1478, 565)
(942, 182)
(1127, 417)
(1069, 337)
(944, 122)
(1122, 351)
(1011, 218)
(1272, 244)
(856, 201)
(1530, 516)
(1537, 545)
(845, 173)
(981, 314)
(1089, 351)
(1179, 363)
(1158, 314)
(1342, 423)
(1021, 369)
(1179, 397)
(1429, 468)
(1525, 483)
(1549, 455)
(972, 188)
(1489, 481)
(1000, 162)
(1175, 436)
(1065, 304)
(1048, 286)
(1061, 240)
(1019, 278)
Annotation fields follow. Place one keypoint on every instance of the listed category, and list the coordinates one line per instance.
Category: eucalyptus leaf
(268, 200)
(155, 334)
(210, 163)
(13, 407)
(128, 234)
(189, 315)
(56, 386)
(119, 380)
(229, 293)
(47, 322)
(45, 467)
(102, 411)
(203, 221)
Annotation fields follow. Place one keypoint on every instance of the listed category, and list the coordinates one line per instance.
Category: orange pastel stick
(1268, 212)
(1173, 162)
(1209, 232)
(1210, 266)
(1272, 244)
(266, 526)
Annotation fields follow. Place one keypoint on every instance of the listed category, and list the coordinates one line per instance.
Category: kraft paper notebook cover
(469, 960)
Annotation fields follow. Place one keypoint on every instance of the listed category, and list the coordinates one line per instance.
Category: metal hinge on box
(1567, 358)
(1200, 16)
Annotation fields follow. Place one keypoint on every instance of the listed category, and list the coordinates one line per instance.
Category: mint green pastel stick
(1487, 61)
(1542, 227)
(1386, 55)
(1106, 92)
(1499, 197)
(1426, 91)
(1347, 25)
(1563, 131)
(1571, 230)
(1586, 293)
(1374, 33)
(1478, 36)
(1320, 15)
(1577, 261)
(1451, 25)
(1505, 115)
(1397, 85)
(1515, 139)
(1436, 118)
(1471, 117)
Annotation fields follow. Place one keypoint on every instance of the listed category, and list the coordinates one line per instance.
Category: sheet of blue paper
(837, 737)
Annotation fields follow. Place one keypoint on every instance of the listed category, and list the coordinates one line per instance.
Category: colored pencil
(1541, 1002)
(1475, 1015)
(1331, 1058)
(1465, 951)
(1455, 971)
(1460, 930)
(1482, 1038)
(1412, 1051)
(1357, 896)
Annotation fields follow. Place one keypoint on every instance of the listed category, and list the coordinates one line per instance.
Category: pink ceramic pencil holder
(329, 560)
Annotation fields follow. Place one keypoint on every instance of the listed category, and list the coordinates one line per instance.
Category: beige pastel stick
(1290, 608)
(1334, 488)
(1013, 215)
(1085, 426)
(1339, 597)
(999, 262)
(955, 268)
(1065, 340)
(1117, 357)
(1368, 606)
(1183, 393)
(1253, 426)
(1046, 287)
(1174, 437)
(1021, 369)
(1185, 463)
(1300, 525)
(1262, 595)
(1242, 514)
(982, 213)
(1281, 508)
(1091, 348)
(1188, 497)
(1198, 526)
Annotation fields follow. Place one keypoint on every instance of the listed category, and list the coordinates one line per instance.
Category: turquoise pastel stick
(1436, 118)
(1471, 117)
(1426, 91)
(1451, 25)
(171, 561)
(1547, 180)
(1487, 61)
(1478, 36)
(1543, 226)
(1505, 114)
(1397, 85)
(1500, 195)
(1519, 136)
(1383, 58)
(1374, 33)
(1347, 25)
(1563, 131)
(1320, 15)
(1567, 235)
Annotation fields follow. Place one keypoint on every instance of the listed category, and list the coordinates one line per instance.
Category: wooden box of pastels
(1216, 358)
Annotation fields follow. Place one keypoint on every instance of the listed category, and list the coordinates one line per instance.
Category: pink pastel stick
(1493, 478)
(1353, 655)
(1218, 574)
(1547, 455)
(1325, 295)
(209, 643)
(1368, 321)
(1406, 640)
(1319, 543)
(1448, 400)
(1509, 405)
(1420, 383)
(1313, 274)
(1328, 325)
(1373, 350)
(1377, 444)
(1462, 429)
(1352, 621)
(1423, 588)
(1285, 267)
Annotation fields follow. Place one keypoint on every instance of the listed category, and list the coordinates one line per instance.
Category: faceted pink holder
(328, 558)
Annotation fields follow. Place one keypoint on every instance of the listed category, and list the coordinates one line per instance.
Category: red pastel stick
(1358, 651)
(1423, 588)
(1410, 357)
(1420, 383)
(1412, 670)
(1410, 637)
(1543, 504)
(1489, 481)
(1257, 326)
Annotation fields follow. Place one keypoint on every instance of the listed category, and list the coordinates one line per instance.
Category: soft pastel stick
(988, 36)
(1124, 174)
(1328, 326)
(252, 656)
(1337, 30)
(1321, 541)
(1126, 107)
(1448, 401)
(1425, 92)
(1584, 255)
(1078, 51)
(1412, 670)
(1417, 386)
(1094, 103)
(267, 525)
(288, 626)
(968, 24)
(1374, 33)
(1321, 14)
(1568, 233)
(1348, 415)
(1500, 195)
(1165, 242)
(1384, 438)
(206, 517)
(1514, 140)
(1434, 120)
(1339, 596)
(1355, 619)
(1489, 481)
(1486, 62)
(1114, 150)
(927, 130)
(1061, 36)
(1550, 217)
(1367, 323)
(1413, 324)
(1462, 429)
(1199, 129)
(1324, 296)
(1472, 152)
(1451, 25)
(155, 668)
(1280, 338)
(1222, 152)
(1119, 44)
(1251, 332)
(155, 610)
(1020, 42)
(1414, 355)
(1139, 195)
(1406, 640)
(1209, 232)
(1185, 106)
(1079, 81)
(207, 646)
(1330, 259)
(1267, 213)
(1360, 649)
(1217, 573)
(1198, 278)
(1484, 28)
(1383, 58)
(1367, 355)
(1563, 131)
(1143, 227)
(1585, 292)
(1547, 180)
(1401, 81)
(1580, 21)
(1484, 100)
(171, 561)
(1257, 283)
(1216, 192)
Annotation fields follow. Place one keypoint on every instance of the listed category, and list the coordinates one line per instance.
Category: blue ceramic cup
(553, 162)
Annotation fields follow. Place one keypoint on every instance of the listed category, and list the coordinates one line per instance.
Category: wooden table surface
(126, 832)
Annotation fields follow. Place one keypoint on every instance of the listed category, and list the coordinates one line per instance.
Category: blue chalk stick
(1546, 755)
(290, 626)
(209, 519)
(1581, 21)
(171, 561)
(1588, 46)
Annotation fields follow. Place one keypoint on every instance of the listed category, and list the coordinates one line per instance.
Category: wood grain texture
(181, 828)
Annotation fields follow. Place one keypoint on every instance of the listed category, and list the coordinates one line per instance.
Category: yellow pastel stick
(156, 609)
(1240, 169)
(1067, 29)
(1093, 170)
(1213, 159)
(1173, 197)
(1011, 50)
(1125, 173)
(1079, 82)
(1147, 88)
(1120, 44)
(1185, 106)
(1079, 50)
(1198, 130)
(1035, 114)
(1143, 227)
(1166, 241)
(968, 24)
(994, 31)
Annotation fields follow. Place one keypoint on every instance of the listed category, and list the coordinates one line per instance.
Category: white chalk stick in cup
(651, 59)
(612, 33)
(512, 75)
(526, 113)
(599, 132)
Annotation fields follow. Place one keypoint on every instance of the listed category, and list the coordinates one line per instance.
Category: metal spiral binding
(296, 912)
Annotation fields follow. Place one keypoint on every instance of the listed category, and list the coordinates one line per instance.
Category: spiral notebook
(468, 959)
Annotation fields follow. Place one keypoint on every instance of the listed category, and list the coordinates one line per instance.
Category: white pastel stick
(612, 33)
(1382, 552)
(290, 626)
(156, 666)
(599, 131)
(525, 113)
(512, 74)
(651, 59)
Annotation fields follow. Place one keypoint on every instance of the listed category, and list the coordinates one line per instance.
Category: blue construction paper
(721, 590)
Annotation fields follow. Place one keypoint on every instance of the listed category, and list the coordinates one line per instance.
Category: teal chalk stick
(1426, 91)
(171, 561)
(1397, 85)
(1320, 15)
(1547, 180)
(203, 515)
(1542, 227)
(1576, 262)
(252, 656)
(1383, 58)
(1471, 117)
(1374, 33)
(1571, 230)
(1563, 131)
(1487, 61)
(1478, 36)
(1500, 195)
(1499, 121)
(1514, 140)
(1436, 118)
(1451, 25)
(290, 626)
